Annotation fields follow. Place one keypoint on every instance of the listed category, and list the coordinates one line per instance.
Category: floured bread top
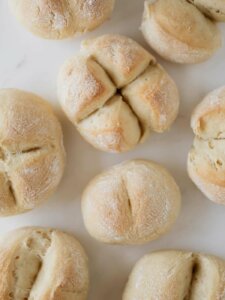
(132, 203)
(207, 157)
(177, 275)
(39, 263)
(114, 80)
(62, 18)
(31, 151)
(180, 30)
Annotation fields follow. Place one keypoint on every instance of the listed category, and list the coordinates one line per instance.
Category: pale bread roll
(31, 151)
(206, 159)
(177, 275)
(132, 203)
(116, 93)
(214, 9)
(60, 19)
(42, 264)
(178, 31)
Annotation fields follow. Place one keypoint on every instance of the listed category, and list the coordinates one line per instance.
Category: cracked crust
(206, 159)
(132, 203)
(60, 19)
(115, 69)
(179, 31)
(31, 265)
(177, 275)
(32, 152)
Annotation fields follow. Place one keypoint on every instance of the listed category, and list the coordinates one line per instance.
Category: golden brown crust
(214, 9)
(150, 99)
(121, 57)
(31, 261)
(32, 152)
(206, 160)
(148, 96)
(132, 203)
(60, 19)
(166, 275)
(179, 32)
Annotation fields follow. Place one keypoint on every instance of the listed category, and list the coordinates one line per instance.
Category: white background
(32, 64)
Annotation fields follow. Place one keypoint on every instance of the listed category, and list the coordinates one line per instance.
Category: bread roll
(214, 9)
(179, 31)
(31, 151)
(60, 19)
(132, 203)
(42, 264)
(116, 93)
(177, 275)
(206, 159)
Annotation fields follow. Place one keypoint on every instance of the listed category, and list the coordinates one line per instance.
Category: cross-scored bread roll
(60, 19)
(206, 159)
(115, 93)
(179, 31)
(31, 151)
(132, 203)
(177, 275)
(42, 264)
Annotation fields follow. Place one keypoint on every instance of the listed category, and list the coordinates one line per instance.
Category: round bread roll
(42, 264)
(132, 203)
(60, 19)
(178, 31)
(214, 9)
(31, 151)
(206, 159)
(177, 275)
(115, 93)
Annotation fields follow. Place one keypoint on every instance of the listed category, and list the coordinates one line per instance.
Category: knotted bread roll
(206, 159)
(42, 264)
(115, 93)
(177, 275)
(132, 203)
(60, 19)
(181, 32)
(31, 151)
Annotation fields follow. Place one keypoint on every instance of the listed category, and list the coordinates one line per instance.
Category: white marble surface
(30, 63)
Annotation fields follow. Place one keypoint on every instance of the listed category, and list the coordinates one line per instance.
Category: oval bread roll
(60, 19)
(115, 93)
(214, 9)
(132, 203)
(177, 275)
(31, 151)
(179, 31)
(206, 160)
(44, 264)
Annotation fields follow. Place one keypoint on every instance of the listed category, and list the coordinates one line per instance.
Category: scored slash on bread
(173, 274)
(42, 263)
(181, 30)
(114, 84)
(131, 203)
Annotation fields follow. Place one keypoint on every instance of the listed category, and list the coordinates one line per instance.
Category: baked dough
(214, 9)
(177, 275)
(179, 31)
(132, 203)
(60, 19)
(115, 93)
(42, 264)
(31, 151)
(206, 159)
